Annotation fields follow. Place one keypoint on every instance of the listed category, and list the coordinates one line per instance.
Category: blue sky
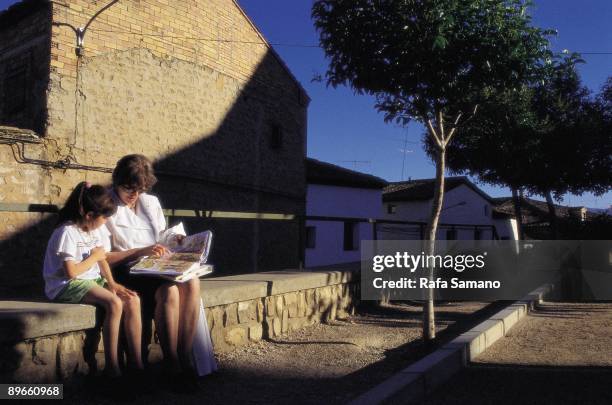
(343, 127)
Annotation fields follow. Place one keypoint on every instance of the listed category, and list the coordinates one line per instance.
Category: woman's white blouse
(138, 229)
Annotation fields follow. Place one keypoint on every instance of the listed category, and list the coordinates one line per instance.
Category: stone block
(230, 315)
(260, 311)
(44, 350)
(217, 316)
(246, 311)
(277, 327)
(509, 316)
(437, 367)
(301, 303)
(296, 324)
(291, 304)
(236, 336)
(209, 318)
(255, 332)
(285, 321)
(492, 330)
(41, 366)
(279, 305)
(310, 297)
(217, 336)
(270, 304)
(70, 355)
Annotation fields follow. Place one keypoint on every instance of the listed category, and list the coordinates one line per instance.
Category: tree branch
(454, 129)
(433, 134)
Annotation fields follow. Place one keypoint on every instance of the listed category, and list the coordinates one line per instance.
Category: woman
(176, 307)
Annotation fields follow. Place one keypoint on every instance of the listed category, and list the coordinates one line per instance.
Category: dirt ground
(560, 354)
(326, 363)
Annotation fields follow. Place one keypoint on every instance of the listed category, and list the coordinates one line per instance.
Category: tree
(431, 61)
(545, 137)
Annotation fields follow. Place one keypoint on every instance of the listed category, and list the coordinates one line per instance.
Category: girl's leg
(132, 323)
(112, 320)
(167, 322)
(189, 294)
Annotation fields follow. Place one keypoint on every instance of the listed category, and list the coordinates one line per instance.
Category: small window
(350, 236)
(276, 137)
(15, 96)
(477, 234)
(391, 208)
(451, 234)
(311, 237)
(486, 211)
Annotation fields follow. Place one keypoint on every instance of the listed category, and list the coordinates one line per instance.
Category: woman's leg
(189, 294)
(167, 323)
(132, 323)
(112, 320)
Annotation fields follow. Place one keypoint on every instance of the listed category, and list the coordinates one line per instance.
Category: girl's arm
(113, 286)
(73, 269)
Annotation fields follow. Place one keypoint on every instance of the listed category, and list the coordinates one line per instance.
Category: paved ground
(560, 354)
(321, 364)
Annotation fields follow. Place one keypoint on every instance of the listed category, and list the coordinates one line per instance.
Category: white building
(467, 212)
(340, 202)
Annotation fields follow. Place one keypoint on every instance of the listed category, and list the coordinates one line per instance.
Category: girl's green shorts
(76, 289)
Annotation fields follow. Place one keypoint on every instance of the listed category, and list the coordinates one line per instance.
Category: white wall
(346, 202)
(472, 212)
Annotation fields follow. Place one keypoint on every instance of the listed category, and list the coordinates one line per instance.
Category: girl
(76, 271)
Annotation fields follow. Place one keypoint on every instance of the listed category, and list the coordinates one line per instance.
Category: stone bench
(46, 342)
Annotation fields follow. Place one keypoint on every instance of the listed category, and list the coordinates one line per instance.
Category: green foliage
(419, 57)
(549, 136)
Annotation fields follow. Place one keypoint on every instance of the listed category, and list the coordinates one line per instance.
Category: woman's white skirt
(203, 354)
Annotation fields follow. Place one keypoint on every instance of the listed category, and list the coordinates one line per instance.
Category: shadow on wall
(252, 162)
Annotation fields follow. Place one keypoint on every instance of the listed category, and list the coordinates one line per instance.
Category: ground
(327, 363)
(561, 353)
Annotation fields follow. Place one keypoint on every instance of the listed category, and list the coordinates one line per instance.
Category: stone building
(192, 84)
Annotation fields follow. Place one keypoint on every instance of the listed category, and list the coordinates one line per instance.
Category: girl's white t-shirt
(68, 242)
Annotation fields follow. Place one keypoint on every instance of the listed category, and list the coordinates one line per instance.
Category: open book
(185, 261)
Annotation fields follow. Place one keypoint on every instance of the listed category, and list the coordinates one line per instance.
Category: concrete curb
(422, 377)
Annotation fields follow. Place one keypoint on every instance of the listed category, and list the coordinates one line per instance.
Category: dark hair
(135, 172)
(86, 199)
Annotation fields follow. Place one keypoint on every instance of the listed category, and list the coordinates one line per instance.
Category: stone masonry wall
(60, 357)
(238, 323)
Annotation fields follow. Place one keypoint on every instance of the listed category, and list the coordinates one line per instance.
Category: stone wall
(42, 342)
(238, 323)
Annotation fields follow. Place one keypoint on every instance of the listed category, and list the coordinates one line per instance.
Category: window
(391, 208)
(15, 96)
(311, 237)
(451, 234)
(350, 236)
(276, 137)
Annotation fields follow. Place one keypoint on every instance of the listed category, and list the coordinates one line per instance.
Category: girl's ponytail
(85, 199)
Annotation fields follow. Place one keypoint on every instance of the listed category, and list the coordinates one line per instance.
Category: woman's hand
(155, 250)
(121, 291)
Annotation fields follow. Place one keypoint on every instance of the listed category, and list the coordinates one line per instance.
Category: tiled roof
(318, 172)
(534, 211)
(423, 189)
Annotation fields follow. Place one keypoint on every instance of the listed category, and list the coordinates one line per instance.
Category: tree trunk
(552, 216)
(429, 322)
(516, 200)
